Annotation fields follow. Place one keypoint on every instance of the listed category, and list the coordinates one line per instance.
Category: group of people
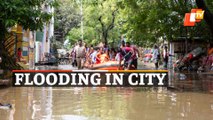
(83, 56)
(157, 56)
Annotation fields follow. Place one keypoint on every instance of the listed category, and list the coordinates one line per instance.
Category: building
(44, 37)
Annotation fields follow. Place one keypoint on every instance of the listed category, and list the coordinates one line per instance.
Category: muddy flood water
(188, 98)
(105, 104)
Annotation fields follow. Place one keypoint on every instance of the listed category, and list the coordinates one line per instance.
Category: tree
(29, 14)
(100, 22)
(208, 16)
(143, 22)
(67, 16)
(147, 21)
(101, 15)
(106, 28)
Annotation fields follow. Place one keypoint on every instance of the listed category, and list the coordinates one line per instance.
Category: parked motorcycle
(190, 61)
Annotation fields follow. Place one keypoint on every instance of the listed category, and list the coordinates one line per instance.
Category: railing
(9, 44)
(9, 52)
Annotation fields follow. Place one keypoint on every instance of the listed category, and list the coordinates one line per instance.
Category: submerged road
(188, 97)
(200, 82)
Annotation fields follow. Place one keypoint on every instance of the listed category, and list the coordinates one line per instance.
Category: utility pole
(82, 24)
(50, 29)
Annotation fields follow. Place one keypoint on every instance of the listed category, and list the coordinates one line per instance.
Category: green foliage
(74, 35)
(144, 22)
(89, 35)
(154, 19)
(67, 16)
(209, 4)
(28, 13)
(94, 30)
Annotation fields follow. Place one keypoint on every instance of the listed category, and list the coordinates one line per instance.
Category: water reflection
(191, 82)
(104, 104)
(188, 99)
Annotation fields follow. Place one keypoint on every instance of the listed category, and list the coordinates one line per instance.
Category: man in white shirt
(93, 55)
(80, 54)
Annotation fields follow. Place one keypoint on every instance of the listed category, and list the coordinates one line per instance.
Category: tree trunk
(105, 29)
(2, 36)
(105, 35)
(208, 16)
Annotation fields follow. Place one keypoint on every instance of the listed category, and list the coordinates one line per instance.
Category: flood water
(189, 97)
(105, 104)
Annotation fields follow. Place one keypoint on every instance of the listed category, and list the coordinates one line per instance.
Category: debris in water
(182, 76)
(5, 106)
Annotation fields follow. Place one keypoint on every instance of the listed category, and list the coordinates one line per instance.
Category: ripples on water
(189, 99)
(105, 104)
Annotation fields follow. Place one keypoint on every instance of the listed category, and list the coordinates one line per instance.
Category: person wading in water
(156, 56)
(165, 57)
(128, 56)
(80, 54)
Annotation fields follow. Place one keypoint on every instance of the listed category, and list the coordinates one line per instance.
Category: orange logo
(196, 15)
(199, 14)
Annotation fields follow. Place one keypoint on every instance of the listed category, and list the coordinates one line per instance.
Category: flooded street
(105, 104)
(189, 97)
(106, 60)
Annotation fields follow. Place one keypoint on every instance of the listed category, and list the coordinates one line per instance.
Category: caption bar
(90, 78)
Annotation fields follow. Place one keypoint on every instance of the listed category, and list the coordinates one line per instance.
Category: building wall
(25, 44)
(23, 37)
